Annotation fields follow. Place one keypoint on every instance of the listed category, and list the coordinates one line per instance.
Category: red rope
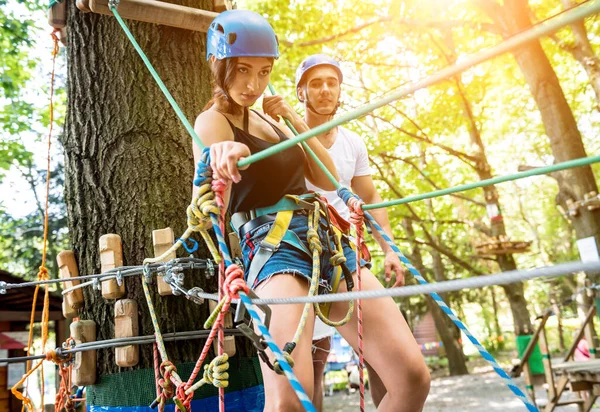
(357, 219)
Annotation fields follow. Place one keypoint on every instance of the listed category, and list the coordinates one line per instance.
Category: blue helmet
(314, 61)
(241, 33)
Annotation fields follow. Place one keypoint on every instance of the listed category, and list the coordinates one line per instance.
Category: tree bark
(129, 163)
(583, 52)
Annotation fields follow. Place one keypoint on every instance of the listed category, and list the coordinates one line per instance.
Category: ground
(481, 391)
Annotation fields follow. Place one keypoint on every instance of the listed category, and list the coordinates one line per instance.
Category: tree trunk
(558, 119)
(497, 328)
(129, 162)
(583, 52)
(449, 333)
(515, 291)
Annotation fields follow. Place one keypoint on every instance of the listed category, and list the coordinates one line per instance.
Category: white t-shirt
(351, 159)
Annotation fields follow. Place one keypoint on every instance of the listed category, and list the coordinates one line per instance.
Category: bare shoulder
(212, 127)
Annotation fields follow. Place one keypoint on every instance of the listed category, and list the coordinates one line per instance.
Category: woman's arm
(214, 131)
(276, 106)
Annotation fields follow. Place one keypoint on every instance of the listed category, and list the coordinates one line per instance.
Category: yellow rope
(198, 220)
(215, 373)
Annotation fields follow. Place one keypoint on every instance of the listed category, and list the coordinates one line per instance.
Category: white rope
(501, 278)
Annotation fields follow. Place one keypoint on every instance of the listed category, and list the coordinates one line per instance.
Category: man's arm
(364, 187)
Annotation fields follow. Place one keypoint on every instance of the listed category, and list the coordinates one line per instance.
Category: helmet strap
(310, 107)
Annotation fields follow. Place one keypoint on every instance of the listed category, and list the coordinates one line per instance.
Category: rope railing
(488, 182)
(500, 278)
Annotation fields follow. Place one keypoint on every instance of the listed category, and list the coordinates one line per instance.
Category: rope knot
(337, 259)
(314, 243)
(204, 171)
(234, 282)
(357, 215)
(277, 367)
(216, 373)
(43, 273)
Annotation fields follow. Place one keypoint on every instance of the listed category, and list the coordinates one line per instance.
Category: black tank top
(268, 180)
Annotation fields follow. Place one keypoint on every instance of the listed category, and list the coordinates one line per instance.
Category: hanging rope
(43, 271)
(357, 218)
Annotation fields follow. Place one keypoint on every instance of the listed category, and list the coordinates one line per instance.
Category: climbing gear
(280, 214)
(316, 247)
(258, 341)
(241, 33)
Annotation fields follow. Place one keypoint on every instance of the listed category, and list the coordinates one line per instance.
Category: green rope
(308, 149)
(53, 3)
(488, 182)
(160, 83)
(549, 26)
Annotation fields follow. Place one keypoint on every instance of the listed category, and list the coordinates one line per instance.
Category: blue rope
(204, 176)
(185, 245)
(345, 194)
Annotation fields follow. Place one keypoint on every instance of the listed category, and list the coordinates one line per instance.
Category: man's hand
(393, 266)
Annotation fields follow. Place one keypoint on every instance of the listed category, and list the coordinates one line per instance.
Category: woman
(241, 48)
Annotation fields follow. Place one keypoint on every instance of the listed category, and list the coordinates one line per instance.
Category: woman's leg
(376, 386)
(389, 347)
(320, 354)
(279, 395)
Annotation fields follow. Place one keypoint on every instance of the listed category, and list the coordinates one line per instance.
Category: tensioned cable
(571, 16)
(185, 263)
(501, 278)
(119, 342)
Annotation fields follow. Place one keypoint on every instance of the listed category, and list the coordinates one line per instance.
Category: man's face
(321, 89)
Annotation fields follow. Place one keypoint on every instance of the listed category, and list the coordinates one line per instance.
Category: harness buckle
(269, 247)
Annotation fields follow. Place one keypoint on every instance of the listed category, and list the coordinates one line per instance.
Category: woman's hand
(224, 157)
(276, 106)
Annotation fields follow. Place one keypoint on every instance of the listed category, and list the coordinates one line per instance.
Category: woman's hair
(223, 76)
(224, 72)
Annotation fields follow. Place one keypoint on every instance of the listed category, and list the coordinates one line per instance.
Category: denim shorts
(289, 259)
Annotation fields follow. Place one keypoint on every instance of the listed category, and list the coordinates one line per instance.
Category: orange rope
(43, 271)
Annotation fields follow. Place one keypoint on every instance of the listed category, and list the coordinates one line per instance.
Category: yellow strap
(336, 276)
(279, 228)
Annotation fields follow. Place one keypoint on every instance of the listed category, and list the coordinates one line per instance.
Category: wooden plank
(529, 382)
(546, 360)
(589, 402)
(219, 6)
(560, 387)
(158, 12)
(83, 5)
(84, 365)
(126, 326)
(531, 346)
(57, 15)
(163, 239)
(67, 267)
(111, 256)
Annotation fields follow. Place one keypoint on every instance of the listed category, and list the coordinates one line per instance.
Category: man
(318, 86)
